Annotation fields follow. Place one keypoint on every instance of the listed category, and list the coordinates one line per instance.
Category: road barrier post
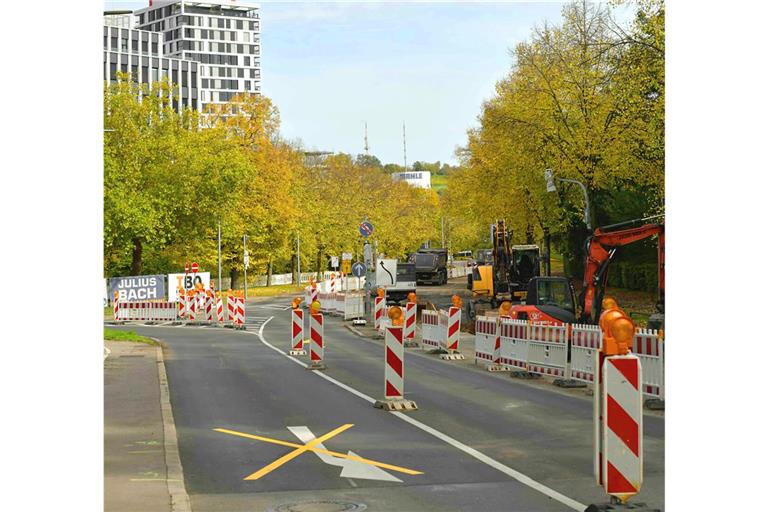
(239, 313)
(394, 366)
(618, 413)
(453, 334)
(297, 332)
(317, 343)
(380, 304)
(219, 310)
(409, 332)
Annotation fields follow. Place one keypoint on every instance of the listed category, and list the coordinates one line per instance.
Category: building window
(239, 48)
(113, 71)
(247, 85)
(239, 25)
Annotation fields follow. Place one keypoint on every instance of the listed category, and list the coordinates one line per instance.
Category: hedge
(633, 276)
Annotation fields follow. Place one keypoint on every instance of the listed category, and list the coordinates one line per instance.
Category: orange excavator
(552, 300)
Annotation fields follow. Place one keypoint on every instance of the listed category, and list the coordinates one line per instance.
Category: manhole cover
(320, 506)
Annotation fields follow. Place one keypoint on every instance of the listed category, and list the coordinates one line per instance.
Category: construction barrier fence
(568, 351)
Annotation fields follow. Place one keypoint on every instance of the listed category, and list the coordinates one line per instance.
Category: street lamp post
(550, 177)
(245, 268)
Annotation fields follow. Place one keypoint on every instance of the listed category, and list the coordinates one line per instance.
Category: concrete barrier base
(316, 366)
(452, 357)
(396, 405)
(297, 352)
(496, 368)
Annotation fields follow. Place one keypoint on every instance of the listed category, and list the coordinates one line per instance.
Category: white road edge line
(520, 477)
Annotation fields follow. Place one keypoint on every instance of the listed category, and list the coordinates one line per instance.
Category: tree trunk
(319, 270)
(136, 261)
(294, 274)
(547, 254)
(269, 271)
(234, 279)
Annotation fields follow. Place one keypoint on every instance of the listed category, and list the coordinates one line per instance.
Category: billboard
(186, 281)
(134, 288)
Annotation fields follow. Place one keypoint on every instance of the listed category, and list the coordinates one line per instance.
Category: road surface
(479, 441)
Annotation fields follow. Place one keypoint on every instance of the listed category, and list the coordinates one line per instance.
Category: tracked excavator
(552, 299)
(506, 276)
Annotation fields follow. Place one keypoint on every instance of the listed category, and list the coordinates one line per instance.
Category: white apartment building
(223, 36)
(140, 53)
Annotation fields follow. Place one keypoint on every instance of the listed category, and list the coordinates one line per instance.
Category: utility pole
(245, 268)
(219, 280)
(298, 259)
(366, 138)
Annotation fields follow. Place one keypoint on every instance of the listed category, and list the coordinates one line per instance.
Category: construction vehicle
(431, 265)
(552, 300)
(506, 276)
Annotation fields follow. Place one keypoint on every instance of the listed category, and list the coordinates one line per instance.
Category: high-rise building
(140, 53)
(223, 36)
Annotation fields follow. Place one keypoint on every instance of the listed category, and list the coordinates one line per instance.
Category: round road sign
(358, 269)
(195, 268)
(366, 228)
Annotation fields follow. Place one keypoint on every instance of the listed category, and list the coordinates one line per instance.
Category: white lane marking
(520, 477)
(349, 468)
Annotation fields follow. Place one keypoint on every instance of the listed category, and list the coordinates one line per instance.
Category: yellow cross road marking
(298, 451)
(312, 448)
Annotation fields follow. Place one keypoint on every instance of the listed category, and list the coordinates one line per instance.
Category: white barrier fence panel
(648, 346)
(159, 311)
(486, 328)
(431, 332)
(548, 350)
(514, 344)
(354, 306)
(586, 342)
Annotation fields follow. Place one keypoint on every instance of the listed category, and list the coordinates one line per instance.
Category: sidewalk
(135, 470)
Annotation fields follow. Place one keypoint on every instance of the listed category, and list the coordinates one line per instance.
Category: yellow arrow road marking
(382, 465)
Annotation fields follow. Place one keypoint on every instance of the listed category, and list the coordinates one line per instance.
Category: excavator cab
(549, 300)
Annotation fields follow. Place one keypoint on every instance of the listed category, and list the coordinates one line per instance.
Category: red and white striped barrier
(219, 311)
(239, 321)
(513, 349)
(548, 350)
(619, 427)
(394, 370)
(191, 308)
(209, 307)
(586, 342)
(231, 310)
(181, 310)
(454, 329)
(648, 346)
(115, 309)
(297, 333)
(409, 330)
(379, 312)
(317, 344)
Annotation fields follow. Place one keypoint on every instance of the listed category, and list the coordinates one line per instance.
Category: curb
(174, 472)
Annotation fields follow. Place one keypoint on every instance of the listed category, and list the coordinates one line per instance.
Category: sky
(330, 67)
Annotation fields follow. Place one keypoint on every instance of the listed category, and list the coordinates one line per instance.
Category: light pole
(550, 177)
(245, 268)
(219, 281)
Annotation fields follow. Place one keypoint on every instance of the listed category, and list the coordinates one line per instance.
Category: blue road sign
(358, 269)
(366, 228)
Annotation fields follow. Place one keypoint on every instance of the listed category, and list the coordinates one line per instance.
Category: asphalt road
(236, 381)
